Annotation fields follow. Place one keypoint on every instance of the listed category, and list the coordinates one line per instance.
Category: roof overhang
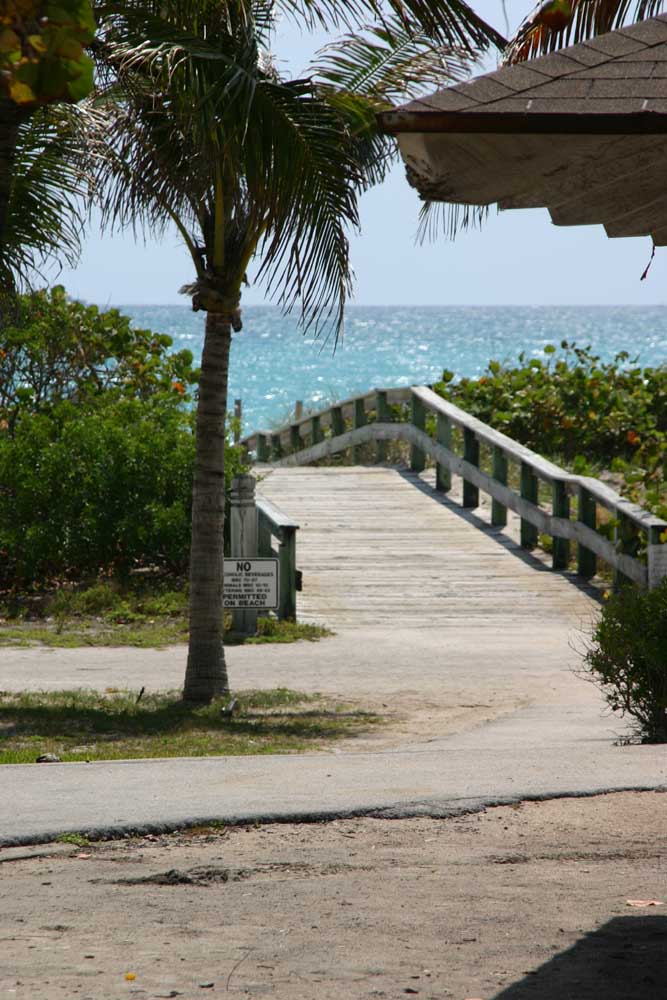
(581, 132)
(637, 123)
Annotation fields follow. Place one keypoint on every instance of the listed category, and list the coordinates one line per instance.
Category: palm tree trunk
(206, 674)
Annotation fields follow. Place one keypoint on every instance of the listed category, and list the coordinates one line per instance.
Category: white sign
(251, 583)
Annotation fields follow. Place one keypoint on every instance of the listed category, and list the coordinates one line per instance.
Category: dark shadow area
(625, 959)
(498, 535)
(161, 724)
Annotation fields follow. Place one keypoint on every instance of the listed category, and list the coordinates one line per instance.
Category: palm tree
(203, 133)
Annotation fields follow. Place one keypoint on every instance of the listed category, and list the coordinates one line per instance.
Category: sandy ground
(529, 901)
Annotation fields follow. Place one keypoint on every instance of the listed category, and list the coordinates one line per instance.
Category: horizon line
(408, 305)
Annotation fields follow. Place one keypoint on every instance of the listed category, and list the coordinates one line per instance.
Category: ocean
(273, 364)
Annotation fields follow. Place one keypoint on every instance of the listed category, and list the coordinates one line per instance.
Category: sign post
(243, 535)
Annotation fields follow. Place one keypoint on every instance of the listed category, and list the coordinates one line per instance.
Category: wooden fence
(418, 416)
(273, 524)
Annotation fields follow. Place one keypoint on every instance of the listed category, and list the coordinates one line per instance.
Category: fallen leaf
(644, 902)
(130, 976)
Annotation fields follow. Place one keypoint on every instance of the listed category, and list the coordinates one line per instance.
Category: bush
(571, 404)
(98, 489)
(627, 658)
(96, 445)
(59, 349)
(106, 488)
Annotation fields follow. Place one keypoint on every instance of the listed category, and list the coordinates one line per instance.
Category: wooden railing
(254, 523)
(421, 418)
(272, 523)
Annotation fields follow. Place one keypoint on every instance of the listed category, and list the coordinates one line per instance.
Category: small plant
(627, 658)
(77, 839)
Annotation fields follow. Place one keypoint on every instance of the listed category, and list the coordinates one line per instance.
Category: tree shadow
(625, 959)
(111, 724)
(499, 535)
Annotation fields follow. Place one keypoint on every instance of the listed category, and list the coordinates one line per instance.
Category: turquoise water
(273, 364)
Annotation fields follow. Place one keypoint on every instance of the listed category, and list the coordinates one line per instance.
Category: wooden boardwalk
(378, 546)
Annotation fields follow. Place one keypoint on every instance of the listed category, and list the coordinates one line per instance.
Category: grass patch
(115, 725)
(76, 839)
(147, 611)
(272, 630)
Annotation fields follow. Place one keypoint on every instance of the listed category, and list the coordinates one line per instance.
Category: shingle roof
(622, 72)
(582, 132)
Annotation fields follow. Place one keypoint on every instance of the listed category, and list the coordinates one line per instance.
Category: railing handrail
(394, 395)
(533, 467)
(274, 515)
(543, 467)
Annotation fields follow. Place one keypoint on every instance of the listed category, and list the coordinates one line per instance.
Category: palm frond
(51, 177)
(201, 131)
(437, 217)
(447, 22)
(546, 30)
(374, 152)
(389, 64)
(310, 194)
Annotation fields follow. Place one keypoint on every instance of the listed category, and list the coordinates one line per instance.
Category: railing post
(417, 456)
(560, 507)
(298, 410)
(587, 514)
(262, 448)
(337, 421)
(625, 536)
(498, 510)
(529, 491)
(276, 446)
(287, 559)
(264, 549)
(315, 431)
(471, 455)
(657, 557)
(243, 515)
(443, 475)
(383, 416)
(295, 437)
(359, 421)
(238, 414)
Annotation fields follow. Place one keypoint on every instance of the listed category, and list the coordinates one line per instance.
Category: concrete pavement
(540, 732)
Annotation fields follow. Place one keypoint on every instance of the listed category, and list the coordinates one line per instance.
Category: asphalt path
(497, 720)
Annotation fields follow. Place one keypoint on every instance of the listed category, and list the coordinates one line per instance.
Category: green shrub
(59, 349)
(96, 445)
(571, 404)
(627, 658)
(105, 488)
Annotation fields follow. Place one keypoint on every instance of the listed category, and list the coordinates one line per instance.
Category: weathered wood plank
(379, 545)
(540, 520)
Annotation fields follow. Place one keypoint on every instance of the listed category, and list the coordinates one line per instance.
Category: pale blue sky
(519, 257)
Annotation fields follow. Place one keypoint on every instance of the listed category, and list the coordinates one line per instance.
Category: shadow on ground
(625, 959)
